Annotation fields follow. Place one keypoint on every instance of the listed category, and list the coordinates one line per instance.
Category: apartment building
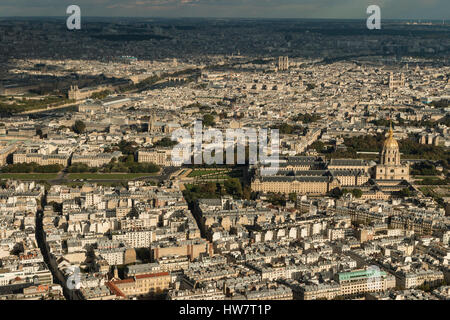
(117, 256)
(197, 294)
(361, 281)
(40, 274)
(190, 248)
(5, 151)
(159, 157)
(95, 159)
(135, 238)
(141, 284)
(412, 279)
(23, 156)
(312, 185)
(326, 291)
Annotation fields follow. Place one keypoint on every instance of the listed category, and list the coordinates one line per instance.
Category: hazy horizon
(219, 18)
(243, 9)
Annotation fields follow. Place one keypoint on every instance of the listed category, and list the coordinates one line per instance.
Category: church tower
(396, 84)
(74, 93)
(390, 167)
(151, 123)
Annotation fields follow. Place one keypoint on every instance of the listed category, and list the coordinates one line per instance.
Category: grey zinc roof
(295, 178)
(347, 162)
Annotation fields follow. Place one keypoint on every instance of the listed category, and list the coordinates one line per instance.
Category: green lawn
(108, 176)
(214, 172)
(201, 172)
(422, 177)
(28, 176)
(24, 104)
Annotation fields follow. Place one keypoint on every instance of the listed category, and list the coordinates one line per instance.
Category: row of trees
(79, 127)
(285, 128)
(31, 168)
(101, 94)
(280, 199)
(24, 104)
(208, 120)
(365, 142)
(81, 168)
(150, 81)
(142, 85)
(214, 190)
(165, 143)
(277, 199)
(425, 168)
(337, 193)
(125, 164)
(306, 118)
(127, 147)
(413, 149)
(129, 167)
(433, 182)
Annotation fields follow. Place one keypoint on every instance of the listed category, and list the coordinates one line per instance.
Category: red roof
(112, 284)
(115, 290)
(151, 275)
(128, 280)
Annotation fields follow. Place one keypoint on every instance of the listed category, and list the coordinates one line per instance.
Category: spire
(390, 141)
(391, 132)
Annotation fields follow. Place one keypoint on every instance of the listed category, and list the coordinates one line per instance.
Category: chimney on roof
(116, 273)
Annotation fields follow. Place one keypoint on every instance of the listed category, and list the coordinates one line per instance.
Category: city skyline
(284, 9)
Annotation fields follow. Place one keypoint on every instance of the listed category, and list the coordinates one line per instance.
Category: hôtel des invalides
(313, 176)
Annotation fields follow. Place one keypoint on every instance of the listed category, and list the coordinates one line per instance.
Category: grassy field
(423, 177)
(202, 172)
(108, 176)
(22, 104)
(28, 176)
(215, 173)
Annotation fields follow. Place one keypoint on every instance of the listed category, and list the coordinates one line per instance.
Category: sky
(329, 9)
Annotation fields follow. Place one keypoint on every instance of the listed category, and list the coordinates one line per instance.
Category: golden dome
(390, 142)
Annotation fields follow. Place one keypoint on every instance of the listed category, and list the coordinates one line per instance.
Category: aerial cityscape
(146, 158)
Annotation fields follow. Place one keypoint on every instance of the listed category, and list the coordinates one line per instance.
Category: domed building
(390, 167)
